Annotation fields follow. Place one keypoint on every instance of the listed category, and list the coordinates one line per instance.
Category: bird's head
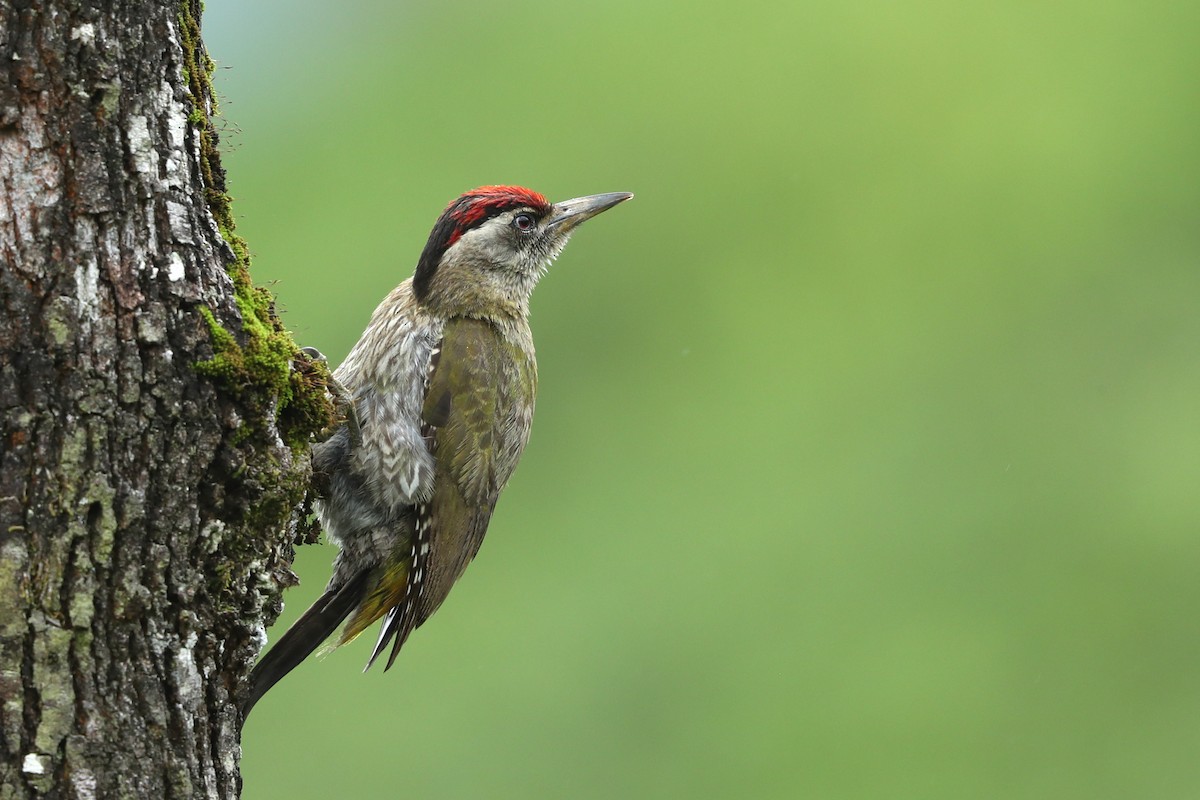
(490, 246)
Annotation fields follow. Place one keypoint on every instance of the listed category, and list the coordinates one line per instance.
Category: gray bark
(144, 501)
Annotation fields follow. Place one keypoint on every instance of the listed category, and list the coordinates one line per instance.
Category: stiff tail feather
(306, 634)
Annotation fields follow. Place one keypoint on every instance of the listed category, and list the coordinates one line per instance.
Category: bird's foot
(342, 399)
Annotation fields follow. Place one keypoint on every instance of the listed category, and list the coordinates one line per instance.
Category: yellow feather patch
(388, 592)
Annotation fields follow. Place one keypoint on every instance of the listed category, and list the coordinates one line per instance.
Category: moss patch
(260, 364)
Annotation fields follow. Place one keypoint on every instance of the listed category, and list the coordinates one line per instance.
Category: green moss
(279, 391)
(260, 363)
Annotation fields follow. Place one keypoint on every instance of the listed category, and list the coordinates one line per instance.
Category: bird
(439, 392)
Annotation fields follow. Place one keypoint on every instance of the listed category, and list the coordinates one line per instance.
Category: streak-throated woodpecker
(440, 390)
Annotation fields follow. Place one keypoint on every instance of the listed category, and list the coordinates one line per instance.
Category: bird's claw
(343, 400)
(314, 354)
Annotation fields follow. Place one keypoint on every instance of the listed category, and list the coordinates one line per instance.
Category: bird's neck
(467, 291)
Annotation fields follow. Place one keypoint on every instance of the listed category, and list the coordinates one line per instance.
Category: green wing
(462, 405)
(479, 405)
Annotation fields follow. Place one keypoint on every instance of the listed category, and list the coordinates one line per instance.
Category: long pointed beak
(569, 213)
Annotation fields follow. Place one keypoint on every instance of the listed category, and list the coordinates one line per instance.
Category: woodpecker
(440, 392)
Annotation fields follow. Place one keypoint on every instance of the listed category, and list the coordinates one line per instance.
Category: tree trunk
(155, 414)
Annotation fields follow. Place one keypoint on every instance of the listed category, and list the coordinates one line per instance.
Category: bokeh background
(867, 445)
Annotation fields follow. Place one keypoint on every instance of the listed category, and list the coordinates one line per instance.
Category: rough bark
(149, 398)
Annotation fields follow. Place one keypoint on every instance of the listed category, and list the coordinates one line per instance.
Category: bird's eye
(524, 223)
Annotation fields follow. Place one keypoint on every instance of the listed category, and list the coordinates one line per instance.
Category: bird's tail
(305, 635)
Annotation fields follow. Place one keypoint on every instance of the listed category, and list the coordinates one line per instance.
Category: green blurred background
(867, 445)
